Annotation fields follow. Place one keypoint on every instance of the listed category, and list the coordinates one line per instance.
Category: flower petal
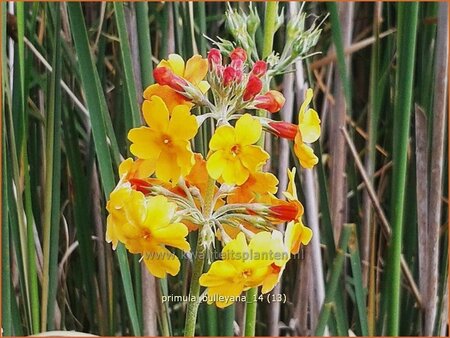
(248, 130)
(305, 154)
(161, 261)
(145, 143)
(173, 235)
(203, 86)
(156, 114)
(175, 62)
(168, 95)
(196, 69)
(234, 172)
(253, 157)
(182, 125)
(309, 126)
(166, 168)
(215, 164)
(223, 138)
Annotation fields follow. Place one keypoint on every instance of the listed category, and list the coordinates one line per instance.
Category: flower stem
(250, 312)
(199, 259)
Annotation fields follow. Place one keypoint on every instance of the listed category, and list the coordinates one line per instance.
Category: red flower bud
(254, 86)
(165, 76)
(284, 129)
(238, 54)
(287, 211)
(272, 101)
(229, 74)
(237, 64)
(214, 57)
(259, 68)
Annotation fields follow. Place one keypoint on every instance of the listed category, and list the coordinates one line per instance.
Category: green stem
(407, 25)
(250, 312)
(228, 320)
(333, 282)
(197, 270)
(270, 20)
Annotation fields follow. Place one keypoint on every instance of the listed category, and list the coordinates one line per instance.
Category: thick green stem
(407, 24)
(270, 20)
(197, 270)
(250, 312)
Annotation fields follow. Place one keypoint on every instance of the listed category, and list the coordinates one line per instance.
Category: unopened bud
(272, 101)
(284, 129)
(229, 74)
(214, 57)
(164, 76)
(287, 212)
(254, 86)
(259, 68)
(238, 54)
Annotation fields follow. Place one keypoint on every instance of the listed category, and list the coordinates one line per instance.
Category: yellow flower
(277, 267)
(146, 226)
(168, 95)
(309, 131)
(243, 266)
(139, 169)
(166, 139)
(296, 232)
(296, 235)
(233, 155)
(259, 187)
(193, 71)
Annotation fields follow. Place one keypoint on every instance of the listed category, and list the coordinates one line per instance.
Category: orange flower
(258, 187)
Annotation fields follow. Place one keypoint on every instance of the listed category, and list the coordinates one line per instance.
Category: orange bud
(140, 185)
(284, 129)
(285, 212)
(254, 86)
(164, 76)
(259, 68)
(238, 54)
(272, 101)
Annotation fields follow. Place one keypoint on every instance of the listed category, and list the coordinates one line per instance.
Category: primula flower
(233, 155)
(243, 266)
(146, 226)
(277, 267)
(272, 101)
(297, 234)
(309, 131)
(166, 139)
(258, 187)
(139, 169)
(194, 71)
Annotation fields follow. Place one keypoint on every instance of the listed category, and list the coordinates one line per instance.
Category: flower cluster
(169, 190)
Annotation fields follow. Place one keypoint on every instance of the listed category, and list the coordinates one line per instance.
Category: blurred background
(74, 73)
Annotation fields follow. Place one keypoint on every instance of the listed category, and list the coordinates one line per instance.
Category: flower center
(235, 149)
(146, 234)
(246, 273)
(166, 139)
